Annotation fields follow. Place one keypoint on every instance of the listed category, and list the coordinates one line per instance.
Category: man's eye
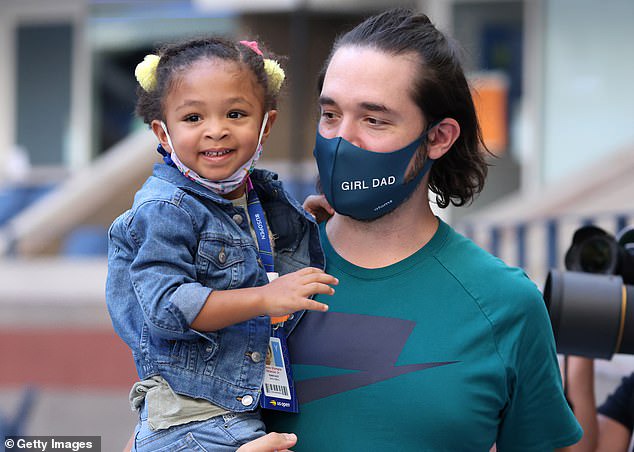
(192, 118)
(235, 115)
(375, 121)
(327, 115)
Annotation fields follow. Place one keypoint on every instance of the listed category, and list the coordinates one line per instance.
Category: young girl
(192, 265)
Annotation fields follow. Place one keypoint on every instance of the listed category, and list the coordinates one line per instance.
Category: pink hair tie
(253, 45)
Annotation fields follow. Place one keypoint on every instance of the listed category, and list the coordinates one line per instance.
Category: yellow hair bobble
(275, 75)
(145, 72)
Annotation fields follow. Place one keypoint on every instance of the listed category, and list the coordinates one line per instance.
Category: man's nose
(349, 131)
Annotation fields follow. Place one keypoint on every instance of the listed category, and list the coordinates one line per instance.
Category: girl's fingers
(322, 277)
(309, 270)
(312, 305)
(318, 288)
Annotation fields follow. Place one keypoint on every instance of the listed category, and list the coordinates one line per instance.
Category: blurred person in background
(609, 427)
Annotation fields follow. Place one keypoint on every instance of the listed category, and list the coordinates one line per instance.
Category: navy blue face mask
(363, 184)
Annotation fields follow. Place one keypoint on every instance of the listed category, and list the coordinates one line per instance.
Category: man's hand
(272, 442)
(318, 207)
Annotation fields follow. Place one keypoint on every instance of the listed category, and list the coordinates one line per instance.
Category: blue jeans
(221, 433)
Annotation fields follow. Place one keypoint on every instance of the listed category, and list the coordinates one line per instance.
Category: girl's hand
(318, 207)
(272, 442)
(289, 293)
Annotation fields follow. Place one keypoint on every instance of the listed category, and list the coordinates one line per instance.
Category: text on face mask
(365, 184)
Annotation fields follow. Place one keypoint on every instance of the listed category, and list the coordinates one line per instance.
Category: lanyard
(265, 249)
(278, 390)
(258, 220)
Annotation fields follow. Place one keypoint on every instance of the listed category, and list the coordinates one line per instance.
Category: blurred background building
(552, 83)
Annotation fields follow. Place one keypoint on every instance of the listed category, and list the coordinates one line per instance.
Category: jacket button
(222, 257)
(256, 357)
(246, 400)
(238, 218)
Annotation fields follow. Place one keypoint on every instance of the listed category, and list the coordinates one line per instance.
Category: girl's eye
(235, 115)
(192, 118)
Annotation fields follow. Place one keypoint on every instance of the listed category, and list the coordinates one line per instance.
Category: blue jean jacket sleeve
(176, 244)
(163, 273)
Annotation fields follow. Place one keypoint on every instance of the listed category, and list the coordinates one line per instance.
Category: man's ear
(269, 125)
(160, 134)
(442, 137)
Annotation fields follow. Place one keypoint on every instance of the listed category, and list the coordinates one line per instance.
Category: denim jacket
(177, 243)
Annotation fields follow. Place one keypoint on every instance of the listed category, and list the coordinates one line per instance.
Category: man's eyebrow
(325, 100)
(370, 106)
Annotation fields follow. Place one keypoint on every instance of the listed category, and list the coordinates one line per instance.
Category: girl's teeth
(216, 153)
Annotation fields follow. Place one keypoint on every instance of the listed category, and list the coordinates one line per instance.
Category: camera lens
(590, 314)
(596, 255)
(591, 307)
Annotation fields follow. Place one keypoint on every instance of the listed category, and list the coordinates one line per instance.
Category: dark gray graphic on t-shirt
(366, 344)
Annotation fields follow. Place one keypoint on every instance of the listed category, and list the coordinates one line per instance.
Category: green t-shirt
(448, 349)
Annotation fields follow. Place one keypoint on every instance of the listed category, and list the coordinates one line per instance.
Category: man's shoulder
(486, 277)
(462, 256)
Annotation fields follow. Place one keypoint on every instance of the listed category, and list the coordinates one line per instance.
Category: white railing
(82, 197)
(539, 244)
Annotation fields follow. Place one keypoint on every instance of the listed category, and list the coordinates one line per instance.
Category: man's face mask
(363, 184)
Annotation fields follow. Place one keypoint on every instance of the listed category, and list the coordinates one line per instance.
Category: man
(430, 343)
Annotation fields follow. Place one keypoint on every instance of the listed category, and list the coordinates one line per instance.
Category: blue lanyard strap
(258, 221)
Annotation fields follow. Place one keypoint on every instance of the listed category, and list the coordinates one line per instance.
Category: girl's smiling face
(214, 112)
